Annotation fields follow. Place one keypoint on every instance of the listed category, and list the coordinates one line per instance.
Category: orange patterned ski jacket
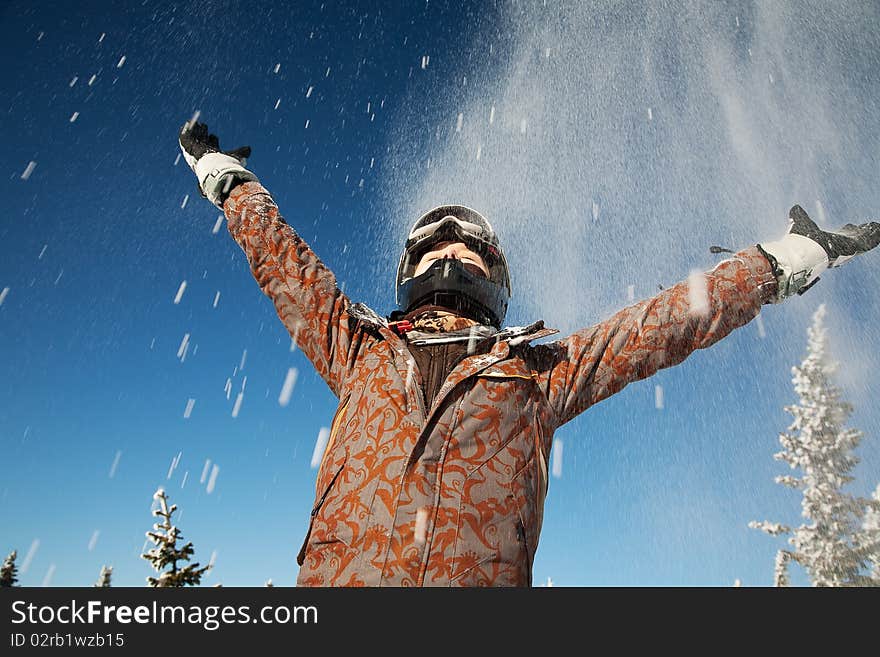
(453, 495)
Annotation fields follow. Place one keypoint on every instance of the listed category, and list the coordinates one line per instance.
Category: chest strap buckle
(401, 327)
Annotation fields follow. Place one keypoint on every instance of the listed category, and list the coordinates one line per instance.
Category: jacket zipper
(300, 557)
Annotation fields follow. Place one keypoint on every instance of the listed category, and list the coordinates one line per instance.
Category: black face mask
(460, 287)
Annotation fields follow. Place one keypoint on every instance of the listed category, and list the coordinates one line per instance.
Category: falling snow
(180, 291)
(205, 471)
(287, 388)
(47, 579)
(489, 154)
(821, 219)
(320, 446)
(32, 551)
(421, 526)
(184, 346)
(212, 481)
(29, 169)
(115, 464)
(556, 456)
(237, 406)
(698, 293)
(174, 463)
(759, 322)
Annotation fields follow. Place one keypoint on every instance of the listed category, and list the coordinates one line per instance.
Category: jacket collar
(514, 335)
(504, 339)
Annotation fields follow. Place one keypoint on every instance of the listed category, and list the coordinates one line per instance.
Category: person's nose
(450, 251)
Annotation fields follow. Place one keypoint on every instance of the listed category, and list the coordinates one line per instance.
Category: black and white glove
(806, 251)
(217, 171)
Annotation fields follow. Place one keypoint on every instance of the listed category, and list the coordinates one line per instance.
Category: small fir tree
(104, 578)
(832, 547)
(9, 571)
(166, 553)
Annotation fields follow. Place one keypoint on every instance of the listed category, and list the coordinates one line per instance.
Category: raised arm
(660, 332)
(594, 363)
(302, 288)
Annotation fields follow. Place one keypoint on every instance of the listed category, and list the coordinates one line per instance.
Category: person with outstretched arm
(435, 471)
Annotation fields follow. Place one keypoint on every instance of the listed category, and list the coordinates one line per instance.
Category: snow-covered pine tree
(870, 539)
(832, 546)
(9, 571)
(166, 552)
(105, 576)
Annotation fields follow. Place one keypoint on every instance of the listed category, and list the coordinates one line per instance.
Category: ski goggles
(456, 223)
(453, 221)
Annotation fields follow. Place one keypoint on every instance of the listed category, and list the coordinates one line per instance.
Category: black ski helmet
(449, 283)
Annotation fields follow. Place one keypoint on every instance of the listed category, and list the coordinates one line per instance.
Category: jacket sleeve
(310, 305)
(596, 362)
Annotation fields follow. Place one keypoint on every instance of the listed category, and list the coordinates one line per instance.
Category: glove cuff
(797, 262)
(218, 173)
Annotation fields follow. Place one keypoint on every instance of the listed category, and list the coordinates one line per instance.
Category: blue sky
(608, 146)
